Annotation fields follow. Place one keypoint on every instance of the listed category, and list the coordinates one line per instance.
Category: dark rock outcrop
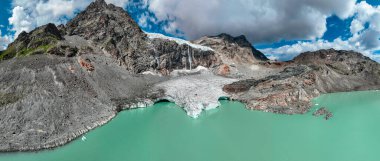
(323, 112)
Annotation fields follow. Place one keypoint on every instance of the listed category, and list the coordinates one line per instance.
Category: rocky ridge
(306, 77)
(58, 82)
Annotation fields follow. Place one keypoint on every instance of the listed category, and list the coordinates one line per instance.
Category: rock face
(56, 83)
(115, 32)
(111, 29)
(307, 76)
(235, 50)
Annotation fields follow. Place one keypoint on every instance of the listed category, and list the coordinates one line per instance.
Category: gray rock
(307, 76)
(56, 83)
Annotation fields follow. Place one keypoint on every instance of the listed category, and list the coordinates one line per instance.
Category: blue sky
(280, 30)
(5, 13)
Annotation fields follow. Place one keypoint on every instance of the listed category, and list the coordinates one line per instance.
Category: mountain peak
(98, 3)
(242, 42)
(100, 22)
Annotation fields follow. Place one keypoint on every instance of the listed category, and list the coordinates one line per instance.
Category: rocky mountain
(306, 77)
(36, 42)
(106, 29)
(233, 49)
(58, 82)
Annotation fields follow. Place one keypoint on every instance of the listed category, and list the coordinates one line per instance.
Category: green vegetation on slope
(31, 51)
(8, 98)
(9, 53)
(36, 46)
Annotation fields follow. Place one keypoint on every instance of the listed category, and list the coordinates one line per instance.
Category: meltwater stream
(231, 133)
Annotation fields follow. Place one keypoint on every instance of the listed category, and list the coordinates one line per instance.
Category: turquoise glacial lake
(163, 132)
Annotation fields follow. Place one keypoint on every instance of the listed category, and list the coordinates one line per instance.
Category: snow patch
(151, 73)
(254, 67)
(178, 41)
(181, 72)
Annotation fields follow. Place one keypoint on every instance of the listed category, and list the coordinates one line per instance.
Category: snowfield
(178, 41)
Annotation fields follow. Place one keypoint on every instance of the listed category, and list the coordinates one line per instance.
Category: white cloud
(21, 20)
(364, 40)
(288, 52)
(27, 15)
(4, 41)
(259, 20)
(366, 14)
(121, 3)
(143, 20)
(356, 26)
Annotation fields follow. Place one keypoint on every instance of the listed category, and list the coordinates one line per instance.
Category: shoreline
(70, 139)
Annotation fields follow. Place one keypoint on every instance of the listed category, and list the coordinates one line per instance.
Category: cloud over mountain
(364, 39)
(27, 14)
(261, 21)
(4, 40)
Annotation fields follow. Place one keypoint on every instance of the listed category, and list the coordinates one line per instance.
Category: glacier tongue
(196, 93)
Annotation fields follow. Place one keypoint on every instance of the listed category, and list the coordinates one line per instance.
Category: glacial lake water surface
(231, 133)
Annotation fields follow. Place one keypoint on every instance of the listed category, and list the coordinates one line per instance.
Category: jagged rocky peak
(239, 40)
(238, 49)
(112, 30)
(98, 3)
(49, 30)
(101, 22)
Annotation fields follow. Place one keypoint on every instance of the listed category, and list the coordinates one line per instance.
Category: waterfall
(157, 58)
(190, 57)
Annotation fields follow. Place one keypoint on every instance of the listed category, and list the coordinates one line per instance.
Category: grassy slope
(11, 51)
